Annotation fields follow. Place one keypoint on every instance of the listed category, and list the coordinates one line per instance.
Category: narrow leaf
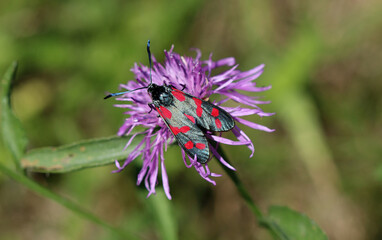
(163, 215)
(66, 203)
(85, 154)
(294, 225)
(12, 131)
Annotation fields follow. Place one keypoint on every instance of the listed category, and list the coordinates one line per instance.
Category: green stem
(241, 189)
(64, 202)
(263, 220)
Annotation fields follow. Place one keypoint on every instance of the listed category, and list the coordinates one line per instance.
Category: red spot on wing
(192, 119)
(189, 145)
(184, 129)
(199, 110)
(166, 113)
(174, 130)
(177, 130)
(159, 111)
(179, 95)
(215, 112)
(200, 146)
(218, 123)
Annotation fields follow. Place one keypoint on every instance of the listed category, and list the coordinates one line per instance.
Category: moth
(186, 116)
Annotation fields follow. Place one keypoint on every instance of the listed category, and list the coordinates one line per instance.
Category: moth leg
(151, 107)
(183, 86)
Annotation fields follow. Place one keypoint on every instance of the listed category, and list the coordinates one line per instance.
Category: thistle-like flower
(194, 75)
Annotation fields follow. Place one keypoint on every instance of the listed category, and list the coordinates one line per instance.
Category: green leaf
(294, 225)
(12, 131)
(76, 156)
(163, 215)
(43, 191)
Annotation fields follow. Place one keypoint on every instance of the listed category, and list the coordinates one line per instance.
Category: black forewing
(194, 135)
(189, 117)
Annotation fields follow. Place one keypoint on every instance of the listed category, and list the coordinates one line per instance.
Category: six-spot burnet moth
(186, 116)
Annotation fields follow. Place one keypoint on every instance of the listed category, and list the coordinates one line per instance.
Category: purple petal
(224, 77)
(248, 73)
(263, 114)
(236, 112)
(215, 175)
(240, 98)
(166, 186)
(240, 135)
(228, 141)
(254, 125)
(185, 160)
(131, 139)
(117, 164)
(153, 173)
(230, 61)
(251, 88)
(203, 173)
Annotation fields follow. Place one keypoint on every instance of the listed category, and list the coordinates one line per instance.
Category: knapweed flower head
(195, 76)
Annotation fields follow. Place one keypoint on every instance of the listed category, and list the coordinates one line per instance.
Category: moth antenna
(149, 53)
(121, 93)
(115, 94)
(151, 80)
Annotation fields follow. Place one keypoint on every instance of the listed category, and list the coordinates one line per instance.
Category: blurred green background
(323, 59)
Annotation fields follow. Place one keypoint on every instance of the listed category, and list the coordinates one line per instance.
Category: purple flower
(196, 75)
